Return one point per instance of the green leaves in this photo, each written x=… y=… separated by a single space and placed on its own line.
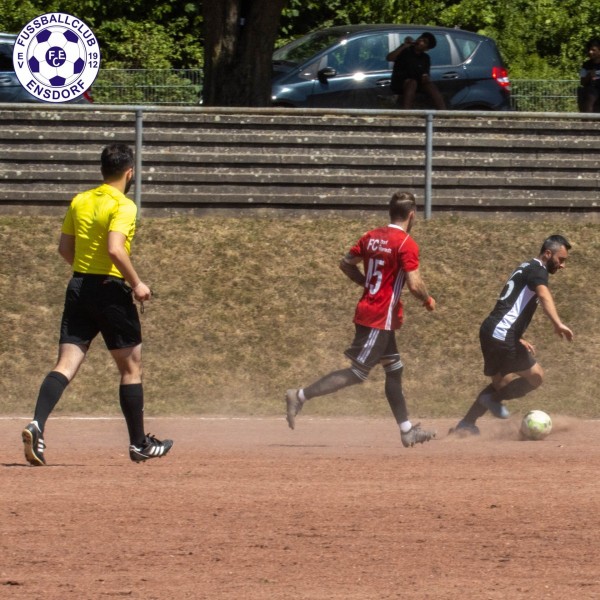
x=139 y=34
x=538 y=38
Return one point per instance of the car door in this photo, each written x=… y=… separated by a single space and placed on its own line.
x=353 y=73
x=446 y=71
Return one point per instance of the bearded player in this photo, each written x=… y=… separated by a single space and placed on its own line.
x=508 y=358
x=390 y=259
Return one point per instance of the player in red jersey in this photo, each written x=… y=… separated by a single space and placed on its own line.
x=390 y=259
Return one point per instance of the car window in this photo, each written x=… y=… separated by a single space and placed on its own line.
x=306 y=47
x=6 y=54
x=365 y=54
x=466 y=46
x=441 y=54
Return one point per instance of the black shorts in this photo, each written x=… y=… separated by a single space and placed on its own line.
x=100 y=304
x=370 y=346
x=591 y=90
x=503 y=357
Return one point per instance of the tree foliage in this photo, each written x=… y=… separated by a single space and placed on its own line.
x=300 y=17
x=539 y=39
x=138 y=34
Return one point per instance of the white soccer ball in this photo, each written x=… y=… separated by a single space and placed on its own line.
x=536 y=425
x=56 y=56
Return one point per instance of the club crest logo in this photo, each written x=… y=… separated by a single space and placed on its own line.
x=56 y=57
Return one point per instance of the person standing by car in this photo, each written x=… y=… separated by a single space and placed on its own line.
x=411 y=71
x=590 y=78
x=509 y=360
x=390 y=258
x=96 y=239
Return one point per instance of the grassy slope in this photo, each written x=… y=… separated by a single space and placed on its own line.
x=246 y=307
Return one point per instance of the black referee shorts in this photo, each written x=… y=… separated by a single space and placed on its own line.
x=100 y=304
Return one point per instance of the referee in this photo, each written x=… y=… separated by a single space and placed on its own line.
x=96 y=240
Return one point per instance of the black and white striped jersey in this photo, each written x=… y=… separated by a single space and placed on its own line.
x=517 y=302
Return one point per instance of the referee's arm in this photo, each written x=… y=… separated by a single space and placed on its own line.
x=120 y=257
x=66 y=247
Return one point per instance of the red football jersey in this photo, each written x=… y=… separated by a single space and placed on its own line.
x=388 y=253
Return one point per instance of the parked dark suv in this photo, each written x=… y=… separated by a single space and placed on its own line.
x=346 y=67
x=11 y=89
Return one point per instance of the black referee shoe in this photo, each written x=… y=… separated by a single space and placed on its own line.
x=151 y=448
x=33 y=445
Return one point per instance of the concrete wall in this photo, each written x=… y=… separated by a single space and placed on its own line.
x=218 y=158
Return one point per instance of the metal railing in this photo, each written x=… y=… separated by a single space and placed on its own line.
x=461 y=186
x=182 y=87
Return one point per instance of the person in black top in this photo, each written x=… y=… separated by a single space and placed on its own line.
x=411 y=71
x=589 y=93
x=508 y=358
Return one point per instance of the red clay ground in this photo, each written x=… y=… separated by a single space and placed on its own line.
x=337 y=509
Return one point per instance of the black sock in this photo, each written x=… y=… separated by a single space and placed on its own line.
x=131 y=397
x=332 y=382
x=517 y=388
x=395 y=395
x=477 y=410
x=51 y=390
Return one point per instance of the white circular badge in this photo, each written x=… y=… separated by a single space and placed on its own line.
x=56 y=57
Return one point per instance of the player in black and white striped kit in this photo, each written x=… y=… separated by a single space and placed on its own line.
x=508 y=358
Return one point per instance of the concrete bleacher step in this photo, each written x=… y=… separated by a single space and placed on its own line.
x=214 y=158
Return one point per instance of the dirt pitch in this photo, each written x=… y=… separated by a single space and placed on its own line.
x=337 y=509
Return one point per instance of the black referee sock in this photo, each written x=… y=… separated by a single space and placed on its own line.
x=131 y=397
x=51 y=390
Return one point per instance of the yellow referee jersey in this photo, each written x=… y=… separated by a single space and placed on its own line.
x=90 y=217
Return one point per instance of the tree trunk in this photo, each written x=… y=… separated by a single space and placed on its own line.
x=239 y=40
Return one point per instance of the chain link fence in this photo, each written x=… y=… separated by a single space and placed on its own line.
x=175 y=87
x=538 y=95
x=182 y=87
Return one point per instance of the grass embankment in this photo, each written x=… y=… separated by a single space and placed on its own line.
x=246 y=307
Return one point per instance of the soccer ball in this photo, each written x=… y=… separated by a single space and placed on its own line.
x=56 y=56
x=536 y=425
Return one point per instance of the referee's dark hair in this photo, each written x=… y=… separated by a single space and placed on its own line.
x=554 y=242
x=115 y=160
x=401 y=205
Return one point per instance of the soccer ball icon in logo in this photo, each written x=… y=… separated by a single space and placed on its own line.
x=56 y=56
